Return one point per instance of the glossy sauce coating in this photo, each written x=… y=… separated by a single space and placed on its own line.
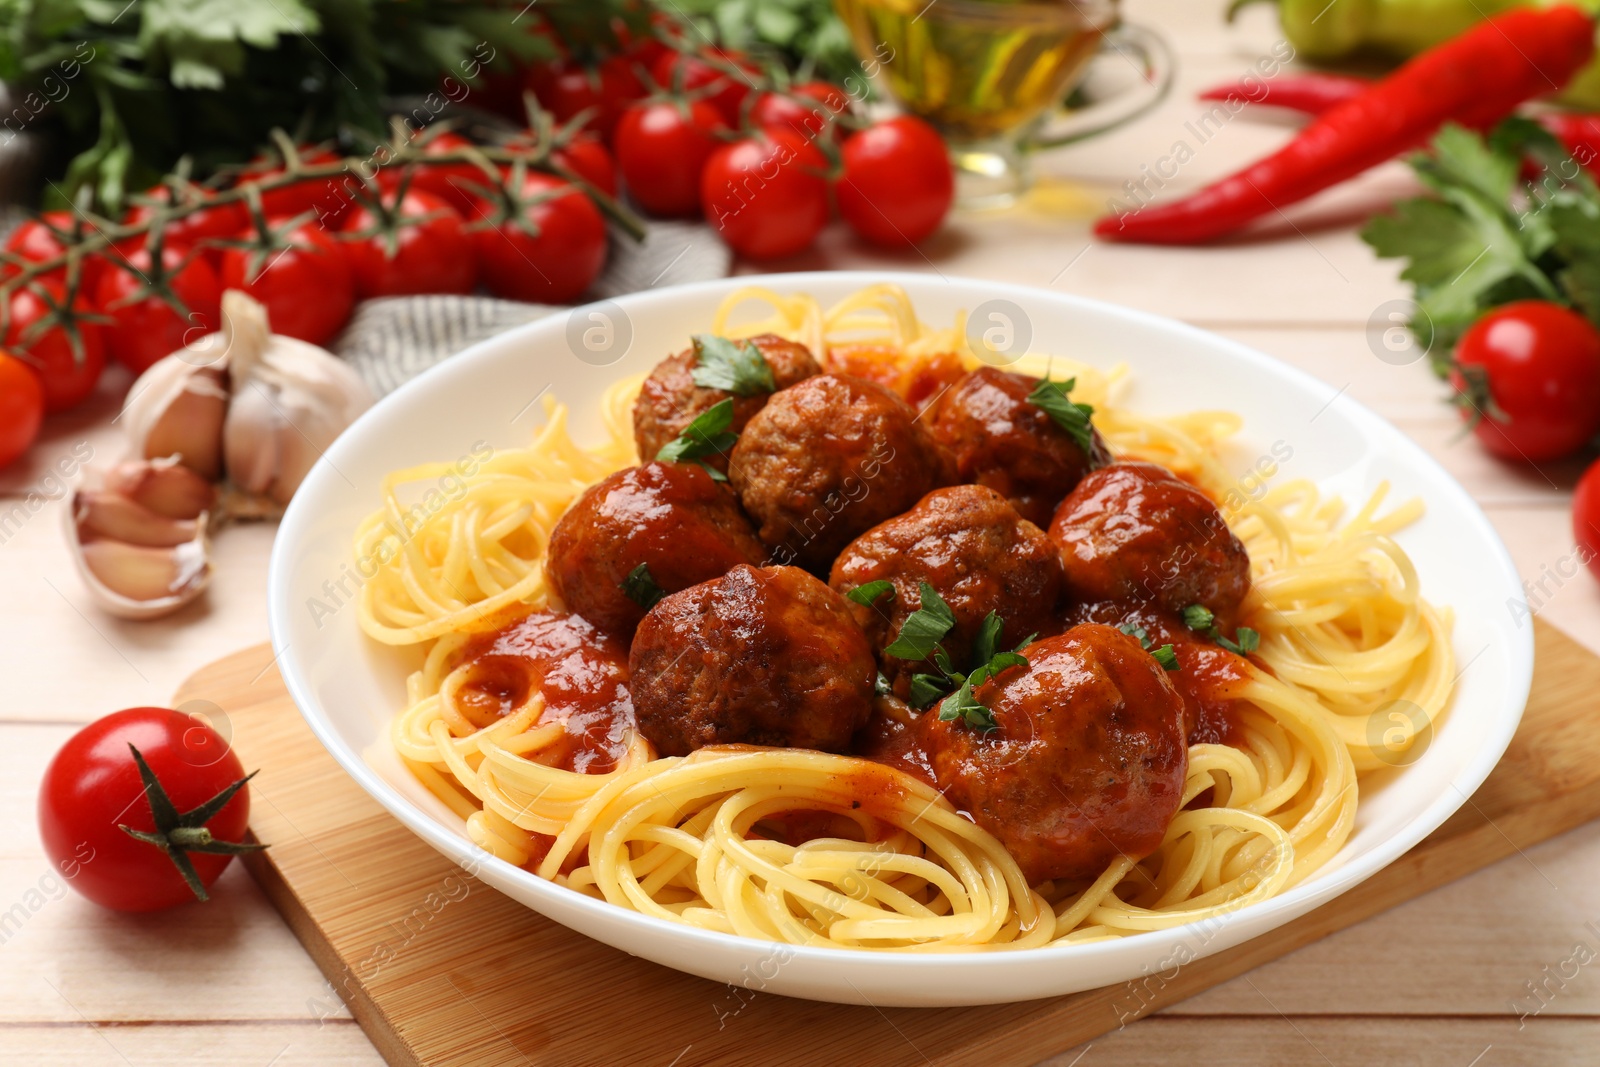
x=581 y=673
x=669 y=400
x=998 y=439
x=828 y=459
x=1089 y=760
x=917 y=381
x=1135 y=531
x=766 y=656
x=1209 y=678
x=976 y=552
x=671 y=517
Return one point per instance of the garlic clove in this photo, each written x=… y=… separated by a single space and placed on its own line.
x=177 y=408
x=112 y=516
x=140 y=582
x=164 y=486
x=291 y=400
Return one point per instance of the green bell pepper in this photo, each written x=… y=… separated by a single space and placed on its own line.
x=1323 y=31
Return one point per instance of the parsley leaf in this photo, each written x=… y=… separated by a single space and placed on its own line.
x=868 y=594
x=1051 y=397
x=964 y=707
x=641 y=588
x=1245 y=641
x=995 y=665
x=926 y=688
x=988 y=637
x=707 y=435
x=1137 y=632
x=1167 y=656
x=737 y=367
x=1198 y=617
x=925 y=627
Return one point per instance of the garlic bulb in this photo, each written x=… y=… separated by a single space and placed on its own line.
x=138 y=537
x=290 y=400
x=177 y=407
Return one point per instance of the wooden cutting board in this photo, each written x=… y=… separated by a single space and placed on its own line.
x=440 y=969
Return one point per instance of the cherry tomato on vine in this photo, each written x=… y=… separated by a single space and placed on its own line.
x=328 y=197
x=452 y=181
x=205 y=224
x=565 y=88
x=725 y=91
x=1528 y=378
x=68 y=372
x=306 y=287
x=428 y=251
x=775 y=111
x=662 y=149
x=93 y=787
x=586 y=156
x=897 y=184
x=766 y=195
x=35 y=240
x=145 y=327
x=21 y=408
x=1586 y=517
x=559 y=259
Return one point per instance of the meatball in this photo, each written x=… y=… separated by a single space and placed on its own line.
x=1136 y=531
x=828 y=459
x=973 y=548
x=1088 y=762
x=669 y=400
x=997 y=438
x=671 y=517
x=761 y=656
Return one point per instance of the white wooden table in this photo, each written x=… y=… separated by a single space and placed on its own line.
x=1442 y=980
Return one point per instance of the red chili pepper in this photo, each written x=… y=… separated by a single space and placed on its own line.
x=1479 y=77
x=1309 y=93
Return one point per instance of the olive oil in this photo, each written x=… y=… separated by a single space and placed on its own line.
x=976 y=70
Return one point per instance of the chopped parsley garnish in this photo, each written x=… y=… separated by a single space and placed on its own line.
x=919 y=639
x=707 y=435
x=736 y=367
x=1051 y=397
x=868 y=594
x=1199 y=618
x=641 y=588
x=925 y=627
x=1166 y=655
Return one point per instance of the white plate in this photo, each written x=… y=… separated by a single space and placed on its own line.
x=348 y=687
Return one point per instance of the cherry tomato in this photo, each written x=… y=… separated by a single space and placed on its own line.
x=224 y=220
x=452 y=181
x=147 y=328
x=68 y=373
x=587 y=157
x=434 y=255
x=1586 y=517
x=306 y=288
x=662 y=149
x=725 y=92
x=557 y=262
x=34 y=240
x=328 y=197
x=21 y=408
x=565 y=88
x=775 y=111
x=93 y=784
x=1529 y=373
x=766 y=195
x=897 y=184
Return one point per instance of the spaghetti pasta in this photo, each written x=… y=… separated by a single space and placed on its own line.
x=1346 y=639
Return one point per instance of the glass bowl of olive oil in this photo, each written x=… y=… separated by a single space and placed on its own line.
x=992 y=75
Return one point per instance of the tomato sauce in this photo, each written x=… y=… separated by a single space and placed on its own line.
x=581 y=673
x=919 y=381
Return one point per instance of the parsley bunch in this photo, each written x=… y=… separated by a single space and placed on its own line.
x=1486 y=237
x=806 y=33
x=919 y=638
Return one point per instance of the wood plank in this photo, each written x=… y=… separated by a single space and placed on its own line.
x=347 y=879
x=302 y=1043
